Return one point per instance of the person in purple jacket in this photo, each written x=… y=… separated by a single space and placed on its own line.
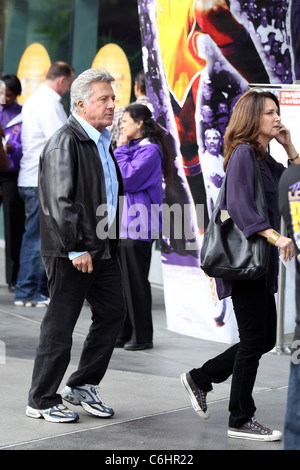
x=144 y=161
x=13 y=206
x=254 y=123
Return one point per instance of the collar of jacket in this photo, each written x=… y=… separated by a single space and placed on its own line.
x=75 y=127
x=78 y=130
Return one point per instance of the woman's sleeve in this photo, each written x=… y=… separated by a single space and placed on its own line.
x=16 y=151
x=140 y=169
x=240 y=197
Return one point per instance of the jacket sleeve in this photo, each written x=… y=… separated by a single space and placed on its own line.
x=240 y=197
x=140 y=168
x=56 y=185
x=16 y=148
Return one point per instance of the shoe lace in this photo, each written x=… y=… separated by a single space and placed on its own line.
x=62 y=408
x=256 y=426
x=201 y=398
x=96 y=392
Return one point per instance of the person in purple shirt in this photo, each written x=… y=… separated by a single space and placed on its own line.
x=254 y=123
x=13 y=206
x=143 y=161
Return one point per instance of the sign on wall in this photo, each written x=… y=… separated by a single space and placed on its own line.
x=32 y=70
x=112 y=58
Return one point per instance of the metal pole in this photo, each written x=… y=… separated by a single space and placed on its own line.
x=280 y=300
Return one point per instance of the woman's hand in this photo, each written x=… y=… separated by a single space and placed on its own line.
x=123 y=140
x=4 y=161
x=287 y=246
x=284 y=136
x=284 y=243
x=8 y=148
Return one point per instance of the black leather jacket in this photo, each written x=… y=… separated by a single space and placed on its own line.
x=71 y=188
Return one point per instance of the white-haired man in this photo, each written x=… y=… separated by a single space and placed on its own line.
x=78 y=177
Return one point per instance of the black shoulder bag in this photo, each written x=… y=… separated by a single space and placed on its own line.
x=226 y=253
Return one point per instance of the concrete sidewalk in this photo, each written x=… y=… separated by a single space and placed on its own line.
x=152 y=410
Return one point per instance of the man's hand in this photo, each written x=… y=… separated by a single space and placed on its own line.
x=83 y=263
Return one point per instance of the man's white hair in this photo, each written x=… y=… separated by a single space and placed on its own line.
x=81 y=87
x=212 y=130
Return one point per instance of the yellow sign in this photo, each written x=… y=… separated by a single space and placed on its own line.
x=112 y=58
x=33 y=67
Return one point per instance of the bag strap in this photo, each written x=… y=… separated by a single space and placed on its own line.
x=259 y=192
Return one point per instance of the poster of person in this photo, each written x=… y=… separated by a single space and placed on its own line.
x=199 y=56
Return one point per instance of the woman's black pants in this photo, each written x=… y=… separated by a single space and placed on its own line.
x=135 y=260
x=255 y=312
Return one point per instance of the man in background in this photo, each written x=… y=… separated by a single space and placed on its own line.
x=42 y=114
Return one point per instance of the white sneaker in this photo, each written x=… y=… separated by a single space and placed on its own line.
x=40 y=301
x=23 y=303
x=88 y=396
x=57 y=414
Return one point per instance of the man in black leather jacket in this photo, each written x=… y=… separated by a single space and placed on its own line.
x=79 y=189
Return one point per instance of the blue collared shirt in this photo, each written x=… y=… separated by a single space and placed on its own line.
x=102 y=140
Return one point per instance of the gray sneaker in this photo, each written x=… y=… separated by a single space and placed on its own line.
x=88 y=396
x=57 y=414
x=254 y=431
x=197 y=396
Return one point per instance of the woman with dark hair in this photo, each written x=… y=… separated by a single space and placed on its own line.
x=13 y=206
x=255 y=121
x=144 y=162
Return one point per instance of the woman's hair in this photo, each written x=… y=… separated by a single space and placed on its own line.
x=244 y=124
x=13 y=83
x=81 y=87
x=156 y=135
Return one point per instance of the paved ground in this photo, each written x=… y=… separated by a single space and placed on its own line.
x=152 y=410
